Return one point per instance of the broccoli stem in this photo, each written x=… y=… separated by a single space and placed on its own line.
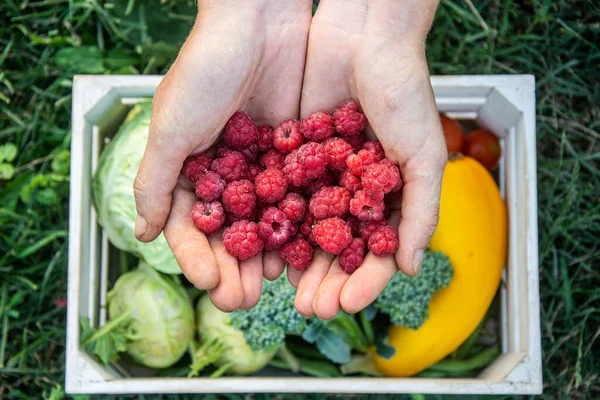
x=463 y=366
x=345 y=326
x=108 y=327
x=367 y=326
x=320 y=369
x=360 y=364
x=292 y=361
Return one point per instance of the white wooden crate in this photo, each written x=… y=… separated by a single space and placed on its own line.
x=504 y=104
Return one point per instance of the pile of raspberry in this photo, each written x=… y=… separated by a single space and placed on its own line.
x=314 y=182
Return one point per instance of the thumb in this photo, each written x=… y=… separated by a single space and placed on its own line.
x=157 y=174
x=420 y=204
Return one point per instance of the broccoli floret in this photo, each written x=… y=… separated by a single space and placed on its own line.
x=406 y=299
x=266 y=324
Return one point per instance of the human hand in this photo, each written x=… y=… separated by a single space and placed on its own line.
x=239 y=56
x=374 y=53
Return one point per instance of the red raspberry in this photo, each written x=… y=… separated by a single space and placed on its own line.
x=317 y=127
x=253 y=171
x=347 y=119
x=232 y=166
x=274 y=228
x=208 y=216
x=379 y=179
x=366 y=228
x=350 y=181
x=265 y=138
x=384 y=241
x=294 y=172
x=338 y=151
x=241 y=240
x=327 y=179
x=330 y=201
x=250 y=152
x=210 y=186
x=294 y=207
x=271 y=185
x=357 y=163
x=291 y=157
x=353 y=223
x=240 y=130
x=273 y=159
x=352 y=256
x=195 y=166
x=395 y=172
x=375 y=148
x=297 y=253
x=332 y=234
x=365 y=207
x=307 y=228
x=355 y=141
x=287 y=136
x=239 y=198
x=294 y=229
x=313 y=157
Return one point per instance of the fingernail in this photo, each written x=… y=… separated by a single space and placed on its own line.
x=141 y=227
x=417 y=261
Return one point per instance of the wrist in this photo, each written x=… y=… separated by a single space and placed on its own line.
x=257 y=11
x=405 y=20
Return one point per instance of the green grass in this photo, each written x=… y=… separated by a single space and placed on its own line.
x=43 y=43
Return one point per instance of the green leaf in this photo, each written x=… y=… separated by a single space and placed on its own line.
x=120 y=58
x=86 y=330
x=7 y=171
x=104 y=349
x=383 y=348
x=61 y=163
x=83 y=60
x=46 y=196
x=8 y=152
x=162 y=53
x=328 y=343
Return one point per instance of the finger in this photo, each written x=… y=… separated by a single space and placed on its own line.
x=228 y=295
x=272 y=265
x=294 y=276
x=412 y=135
x=327 y=301
x=251 y=274
x=420 y=204
x=153 y=186
x=369 y=280
x=310 y=281
x=190 y=246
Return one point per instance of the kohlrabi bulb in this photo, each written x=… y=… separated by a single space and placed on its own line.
x=212 y=323
x=162 y=316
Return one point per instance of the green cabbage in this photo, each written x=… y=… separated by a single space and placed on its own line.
x=112 y=187
x=161 y=317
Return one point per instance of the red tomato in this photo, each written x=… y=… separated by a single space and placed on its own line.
x=453 y=133
x=483 y=146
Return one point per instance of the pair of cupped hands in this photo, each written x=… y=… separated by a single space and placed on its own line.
x=274 y=60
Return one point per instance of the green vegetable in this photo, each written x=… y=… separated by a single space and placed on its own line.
x=266 y=325
x=237 y=356
x=406 y=299
x=161 y=318
x=112 y=187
